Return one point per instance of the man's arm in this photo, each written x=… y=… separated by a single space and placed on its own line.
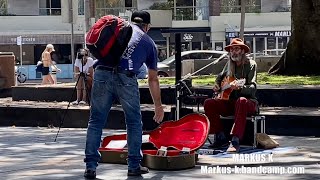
x=220 y=78
x=251 y=85
x=156 y=94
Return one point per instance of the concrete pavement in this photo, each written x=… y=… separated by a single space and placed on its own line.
x=30 y=153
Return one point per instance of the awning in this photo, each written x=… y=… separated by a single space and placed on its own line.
x=260 y=28
x=42 y=39
x=185 y=30
x=156 y=35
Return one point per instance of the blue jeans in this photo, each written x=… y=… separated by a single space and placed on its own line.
x=106 y=87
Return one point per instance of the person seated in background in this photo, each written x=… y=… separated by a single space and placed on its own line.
x=241 y=102
x=83 y=67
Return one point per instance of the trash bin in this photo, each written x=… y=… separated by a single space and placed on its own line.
x=7 y=72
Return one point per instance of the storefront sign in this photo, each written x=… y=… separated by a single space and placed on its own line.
x=260 y=34
x=41 y=39
x=282 y=33
x=231 y=34
x=23 y=40
x=187 y=37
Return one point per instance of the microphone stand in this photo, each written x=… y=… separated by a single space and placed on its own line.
x=181 y=84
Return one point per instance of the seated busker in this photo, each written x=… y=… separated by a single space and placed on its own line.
x=235 y=89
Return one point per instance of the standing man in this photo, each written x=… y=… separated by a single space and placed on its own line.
x=121 y=83
x=242 y=101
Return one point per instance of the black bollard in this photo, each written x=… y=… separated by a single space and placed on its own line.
x=178 y=56
x=178 y=72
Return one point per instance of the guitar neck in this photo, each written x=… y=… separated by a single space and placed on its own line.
x=227 y=86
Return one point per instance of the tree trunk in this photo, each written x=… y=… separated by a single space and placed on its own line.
x=243 y=15
x=302 y=56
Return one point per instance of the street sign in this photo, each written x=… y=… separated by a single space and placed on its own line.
x=19 y=40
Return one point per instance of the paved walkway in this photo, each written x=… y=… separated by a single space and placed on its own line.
x=30 y=153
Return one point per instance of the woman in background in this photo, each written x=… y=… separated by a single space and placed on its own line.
x=47 y=62
x=83 y=65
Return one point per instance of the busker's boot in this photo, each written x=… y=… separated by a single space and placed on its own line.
x=138 y=172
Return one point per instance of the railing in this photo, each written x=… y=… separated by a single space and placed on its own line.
x=3 y=11
x=50 y=11
x=191 y=13
x=255 y=9
x=120 y=11
x=286 y=8
x=237 y=9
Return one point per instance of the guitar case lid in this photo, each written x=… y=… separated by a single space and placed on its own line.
x=191 y=131
x=181 y=138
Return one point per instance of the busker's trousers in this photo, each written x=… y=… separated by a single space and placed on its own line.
x=240 y=109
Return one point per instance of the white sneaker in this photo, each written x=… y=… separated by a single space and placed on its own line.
x=75 y=102
x=82 y=103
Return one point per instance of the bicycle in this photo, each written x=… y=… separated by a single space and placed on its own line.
x=21 y=74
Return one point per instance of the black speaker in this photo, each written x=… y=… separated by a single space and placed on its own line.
x=248 y=137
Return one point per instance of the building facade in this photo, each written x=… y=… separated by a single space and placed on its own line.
x=39 y=22
x=267 y=24
x=211 y=24
x=203 y=24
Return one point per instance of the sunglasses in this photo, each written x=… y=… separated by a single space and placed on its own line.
x=235 y=48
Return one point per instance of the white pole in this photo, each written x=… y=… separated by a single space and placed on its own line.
x=175 y=9
x=84 y=23
x=254 y=48
x=72 y=35
x=21 y=52
x=168 y=46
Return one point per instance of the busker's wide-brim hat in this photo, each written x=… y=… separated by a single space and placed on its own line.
x=237 y=42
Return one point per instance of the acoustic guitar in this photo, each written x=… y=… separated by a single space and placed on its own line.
x=225 y=89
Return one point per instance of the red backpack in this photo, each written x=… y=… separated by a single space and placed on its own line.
x=108 y=38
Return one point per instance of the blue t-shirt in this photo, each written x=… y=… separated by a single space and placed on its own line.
x=141 y=49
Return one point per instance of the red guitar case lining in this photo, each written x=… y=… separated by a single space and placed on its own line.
x=191 y=132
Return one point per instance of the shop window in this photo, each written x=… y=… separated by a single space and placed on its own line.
x=184 y=3
x=3 y=7
x=122 y=8
x=80 y=7
x=192 y=10
x=260 y=46
x=282 y=42
x=218 y=46
x=271 y=43
x=196 y=45
x=50 y=7
x=234 y=6
x=128 y=3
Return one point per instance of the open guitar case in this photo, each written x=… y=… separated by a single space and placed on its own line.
x=171 y=146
